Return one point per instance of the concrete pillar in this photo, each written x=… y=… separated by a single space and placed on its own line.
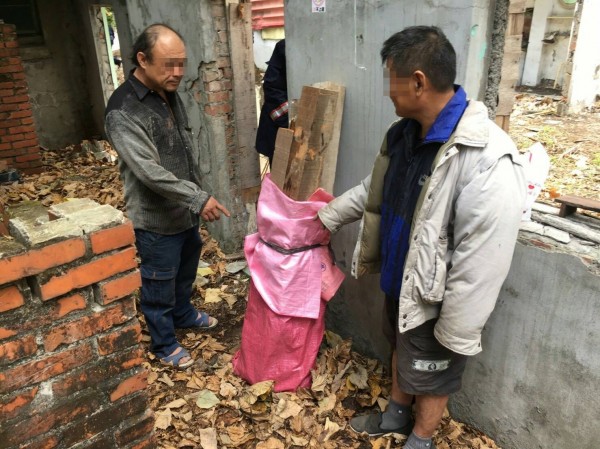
x=531 y=70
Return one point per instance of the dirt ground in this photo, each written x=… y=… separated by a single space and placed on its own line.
x=207 y=406
x=571 y=141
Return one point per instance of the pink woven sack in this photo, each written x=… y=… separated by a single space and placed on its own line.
x=293 y=275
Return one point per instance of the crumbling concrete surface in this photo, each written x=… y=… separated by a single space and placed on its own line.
x=534 y=385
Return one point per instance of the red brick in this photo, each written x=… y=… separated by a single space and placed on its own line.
x=11 y=44
x=89 y=325
x=217 y=109
x=6 y=92
x=6 y=333
x=69 y=304
x=143 y=427
x=48 y=314
x=28 y=157
x=107 y=418
x=112 y=238
x=10 y=124
x=216 y=97
x=15 y=98
x=18 y=349
x=97 y=374
x=9 y=107
x=129 y=386
x=48 y=419
x=11 y=407
x=120 y=339
x=12 y=68
x=20 y=114
x=37 y=261
x=112 y=290
x=12 y=138
x=27 y=120
x=5 y=147
x=18 y=76
x=22 y=129
x=10 y=298
x=37 y=371
x=25 y=144
x=90 y=273
x=214 y=86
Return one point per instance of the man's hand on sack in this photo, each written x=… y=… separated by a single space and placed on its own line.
x=212 y=210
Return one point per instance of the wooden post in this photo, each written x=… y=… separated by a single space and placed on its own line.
x=244 y=101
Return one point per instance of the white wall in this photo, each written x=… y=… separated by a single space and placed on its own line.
x=585 y=81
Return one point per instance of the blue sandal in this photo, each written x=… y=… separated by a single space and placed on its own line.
x=203 y=321
x=174 y=360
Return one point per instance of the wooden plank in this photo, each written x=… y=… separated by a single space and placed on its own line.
x=244 y=100
x=516 y=6
x=327 y=177
x=503 y=121
x=515 y=25
x=312 y=134
x=281 y=156
x=570 y=203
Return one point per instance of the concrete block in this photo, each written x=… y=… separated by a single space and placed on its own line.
x=32 y=234
x=72 y=206
x=94 y=219
x=557 y=234
x=10 y=248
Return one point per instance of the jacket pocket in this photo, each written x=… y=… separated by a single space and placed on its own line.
x=430 y=272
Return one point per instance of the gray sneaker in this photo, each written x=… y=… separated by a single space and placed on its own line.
x=371 y=425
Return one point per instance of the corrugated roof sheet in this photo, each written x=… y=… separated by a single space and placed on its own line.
x=267 y=14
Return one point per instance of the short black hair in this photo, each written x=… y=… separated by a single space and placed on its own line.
x=145 y=41
x=424 y=48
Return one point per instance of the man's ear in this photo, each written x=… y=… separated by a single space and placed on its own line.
x=419 y=80
x=141 y=59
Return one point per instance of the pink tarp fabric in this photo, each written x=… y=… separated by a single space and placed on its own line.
x=284 y=321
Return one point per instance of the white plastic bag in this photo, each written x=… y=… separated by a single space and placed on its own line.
x=537 y=166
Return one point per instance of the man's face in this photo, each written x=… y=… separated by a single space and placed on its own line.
x=398 y=89
x=166 y=69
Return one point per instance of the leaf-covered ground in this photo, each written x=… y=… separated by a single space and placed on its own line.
x=207 y=406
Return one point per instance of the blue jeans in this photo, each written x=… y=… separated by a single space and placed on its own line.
x=168 y=267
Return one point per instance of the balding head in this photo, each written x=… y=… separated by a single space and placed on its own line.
x=160 y=58
x=147 y=39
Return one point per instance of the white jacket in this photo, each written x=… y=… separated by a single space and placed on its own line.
x=463 y=232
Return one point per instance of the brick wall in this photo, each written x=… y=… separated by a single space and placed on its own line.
x=19 y=147
x=70 y=358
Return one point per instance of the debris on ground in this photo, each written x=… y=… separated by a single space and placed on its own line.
x=570 y=141
x=207 y=406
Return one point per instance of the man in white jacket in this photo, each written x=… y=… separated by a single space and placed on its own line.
x=440 y=215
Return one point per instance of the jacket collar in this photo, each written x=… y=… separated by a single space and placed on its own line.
x=139 y=88
x=473 y=128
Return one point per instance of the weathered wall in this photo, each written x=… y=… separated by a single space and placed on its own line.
x=585 y=79
x=208 y=94
x=535 y=384
x=342 y=45
x=70 y=354
x=57 y=77
x=554 y=55
x=19 y=146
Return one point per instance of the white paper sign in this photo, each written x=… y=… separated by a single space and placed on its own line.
x=319 y=5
